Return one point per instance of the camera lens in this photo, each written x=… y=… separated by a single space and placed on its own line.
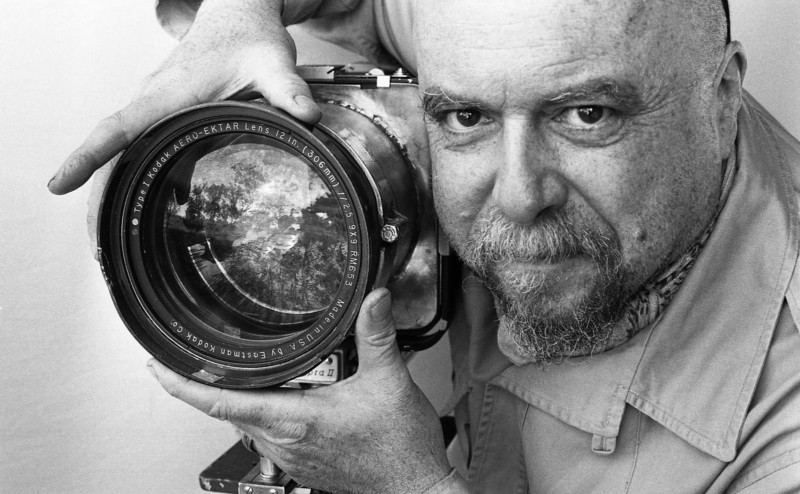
x=236 y=245
x=252 y=228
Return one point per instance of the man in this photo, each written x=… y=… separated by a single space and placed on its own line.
x=633 y=214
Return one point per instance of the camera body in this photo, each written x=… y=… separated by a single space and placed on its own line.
x=238 y=243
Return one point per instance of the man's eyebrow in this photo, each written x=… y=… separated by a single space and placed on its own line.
x=623 y=94
x=434 y=98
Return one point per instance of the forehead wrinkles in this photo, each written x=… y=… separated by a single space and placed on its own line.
x=544 y=32
x=531 y=19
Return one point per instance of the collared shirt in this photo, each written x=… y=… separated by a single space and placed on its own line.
x=706 y=399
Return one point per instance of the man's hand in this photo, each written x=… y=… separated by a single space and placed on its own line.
x=233 y=47
x=374 y=432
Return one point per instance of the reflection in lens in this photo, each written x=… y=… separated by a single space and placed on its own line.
x=264 y=233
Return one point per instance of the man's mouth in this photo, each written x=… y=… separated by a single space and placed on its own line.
x=545 y=265
x=565 y=276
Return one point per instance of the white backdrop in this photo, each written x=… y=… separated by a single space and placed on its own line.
x=78 y=411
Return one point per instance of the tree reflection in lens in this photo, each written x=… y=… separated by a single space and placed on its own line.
x=264 y=231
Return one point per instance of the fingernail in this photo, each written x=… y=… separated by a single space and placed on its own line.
x=380 y=307
x=303 y=100
x=152 y=371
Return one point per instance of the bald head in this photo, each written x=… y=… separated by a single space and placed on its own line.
x=694 y=31
x=699 y=26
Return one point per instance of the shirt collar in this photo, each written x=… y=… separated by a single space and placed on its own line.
x=718 y=326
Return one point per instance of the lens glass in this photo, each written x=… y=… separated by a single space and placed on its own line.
x=254 y=233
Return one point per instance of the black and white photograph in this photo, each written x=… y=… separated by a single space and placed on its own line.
x=400 y=246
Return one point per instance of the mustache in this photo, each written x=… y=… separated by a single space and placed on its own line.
x=561 y=235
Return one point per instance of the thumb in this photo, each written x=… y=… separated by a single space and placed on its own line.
x=280 y=84
x=375 y=333
x=291 y=94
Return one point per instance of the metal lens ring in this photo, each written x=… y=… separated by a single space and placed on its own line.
x=236 y=246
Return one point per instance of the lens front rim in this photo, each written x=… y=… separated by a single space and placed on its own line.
x=183 y=343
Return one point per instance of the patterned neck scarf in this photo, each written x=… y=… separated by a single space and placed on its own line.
x=644 y=307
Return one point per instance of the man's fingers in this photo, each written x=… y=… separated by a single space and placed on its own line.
x=272 y=72
x=240 y=407
x=105 y=141
x=209 y=400
x=289 y=92
x=115 y=133
x=376 y=334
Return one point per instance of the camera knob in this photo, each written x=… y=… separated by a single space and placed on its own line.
x=390 y=233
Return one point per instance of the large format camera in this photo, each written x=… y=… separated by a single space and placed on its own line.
x=239 y=243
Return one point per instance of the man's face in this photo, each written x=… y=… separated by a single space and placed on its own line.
x=575 y=154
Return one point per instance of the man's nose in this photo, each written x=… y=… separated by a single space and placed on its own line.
x=528 y=182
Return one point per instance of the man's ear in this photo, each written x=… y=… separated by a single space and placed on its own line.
x=728 y=82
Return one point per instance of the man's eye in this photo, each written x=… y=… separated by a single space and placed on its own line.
x=586 y=117
x=464 y=118
x=591 y=114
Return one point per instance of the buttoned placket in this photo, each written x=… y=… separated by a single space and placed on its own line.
x=497 y=439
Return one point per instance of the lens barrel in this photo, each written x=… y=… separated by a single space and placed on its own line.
x=237 y=245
